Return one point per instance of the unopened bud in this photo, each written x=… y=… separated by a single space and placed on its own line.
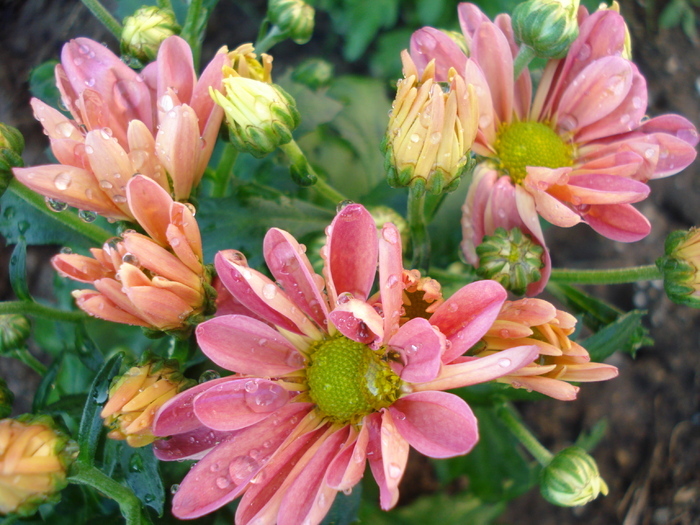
x=294 y=18
x=14 y=331
x=431 y=130
x=246 y=64
x=6 y=399
x=34 y=458
x=511 y=258
x=11 y=147
x=136 y=396
x=680 y=267
x=384 y=214
x=314 y=73
x=571 y=479
x=260 y=116
x=145 y=30
x=547 y=26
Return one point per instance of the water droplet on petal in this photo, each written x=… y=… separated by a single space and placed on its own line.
x=209 y=375
x=251 y=386
x=241 y=468
x=222 y=482
x=174 y=488
x=62 y=181
x=394 y=470
x=504 y=362
x=269 y=291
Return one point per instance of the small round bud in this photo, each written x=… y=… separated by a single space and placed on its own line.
x=314 y=73
x=431 y=129
x=294 y=18
x=260 y=116
x=511 y=258
x=547 y=26
x=14 y=330
x=6 y=399
x=384 y=214
x=680 y=267
x=34 y=458
x=145 y=30
x=571 y=479
x=136 y=396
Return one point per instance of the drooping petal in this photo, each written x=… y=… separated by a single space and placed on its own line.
x=390 y=277
x=247 y=346
x=177 y=148
x=239 y=404
x=436 y=424
x=150 y=206
x=193 y=444
x=466 y=316
x=79 y=268
x=358 y=321
x=619 y=222
x=347 y=468
x=420 y=347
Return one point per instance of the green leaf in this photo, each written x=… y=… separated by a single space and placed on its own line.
x=496 y=469
x=315 y=107
x=240 y=222
x=46 y=386
x=42 y=84
x=596 y=312
x=385 y=62
x=18 y=270
x=91 y=422
x=140 y=468
x=429 y=11
x=626 y=334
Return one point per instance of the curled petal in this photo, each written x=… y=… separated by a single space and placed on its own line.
x=358 y=321
x=619 y=222
x=429 y=43
x=420 y=347
x=194 y=444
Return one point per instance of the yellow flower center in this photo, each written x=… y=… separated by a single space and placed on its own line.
x=348 y=380
x=522 y=144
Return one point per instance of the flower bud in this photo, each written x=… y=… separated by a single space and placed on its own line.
x=314 y=73
x=384 y=214
x=245 y=63
x=145 y=30
x=6 y=399
x=14 y=330
x=136 y=396
x=571 y=479
x=511 y=258
x=431 y=130
x=294 y=18
x=11 y=147
x=34 y=458
x=260 y=116
x=680 y=267
x=548 y=27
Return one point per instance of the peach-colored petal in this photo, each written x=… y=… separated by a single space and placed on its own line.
x=150 y=206
x=101 y=306
x=178 y=147
x=161 y=308
x=142 y=153
x=79 y=268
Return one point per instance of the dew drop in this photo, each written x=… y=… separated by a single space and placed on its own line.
x=241 y=468
x=504 y=362
x=105 y=184
x=208 y=375
x=347 y=491
x=174 y=488
x=87 y=216
x=394 y=470
x=66 y=250
x=436 y=137
x=390 y=235
x=166 y=103
x=251 y=386
x=269 y=291
x=222 y=482
x=65 y=128
x=584 y=53
x=119 y=199
x=62 y=181
x=130 y=258
x=415 y=138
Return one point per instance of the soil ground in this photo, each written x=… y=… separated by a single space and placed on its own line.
x=650 y=456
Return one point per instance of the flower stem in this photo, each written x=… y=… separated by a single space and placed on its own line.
x=68 y=218
x=511 y=419
x=525 y=56
x=104 y=16
x=614 y=276
x=273 y=36
x=224 y=170
x=420 y=239
x=39 y=310
x=304 y=174
x=129 y=504
x=23 y=355
x=165 y=4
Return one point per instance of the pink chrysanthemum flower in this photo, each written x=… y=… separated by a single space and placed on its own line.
x=161 y=123
x=158 y=280
x=325 y=382
x=580 y=151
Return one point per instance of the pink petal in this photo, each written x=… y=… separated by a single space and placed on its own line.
x=606 y=189
x=176 y=416
x=675 y=125
x=394 y=458
x=619 y=222
x=390 y=278
x=79 y=268
x=308 y=498
x=436 y=424
x=421 y=348
x=202 y=103
x=491 y=51
x=388 y=493
x=194 y=444
x=226 y=471
x=474 y=75
x=142 y=153
x=553 y=210
x=675 y=154
x=432 y=44
x=358 y=321
x=347 y=468
x=466 y=316
x=104 y=307
x=247 y=346
x=150 y=205
x=470 y=18
x=177 y=147
x=261 y=295
x=239 y=404
x=176 y=68
x=291 y=268
x=351 y=253
x=597 y=91
x=481 y=369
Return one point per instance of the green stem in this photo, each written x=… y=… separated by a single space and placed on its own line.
x=420 y=239
x=192 y=28
x=305 y=172
x=224 y=170
x=511 y=419
x=129 y=504
x=68 y=217
x=525 y=56
x=23 y=355
x=104 y=16
x=39 y=310
x=615 y=276
x=165 y=4
x=273 y=36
